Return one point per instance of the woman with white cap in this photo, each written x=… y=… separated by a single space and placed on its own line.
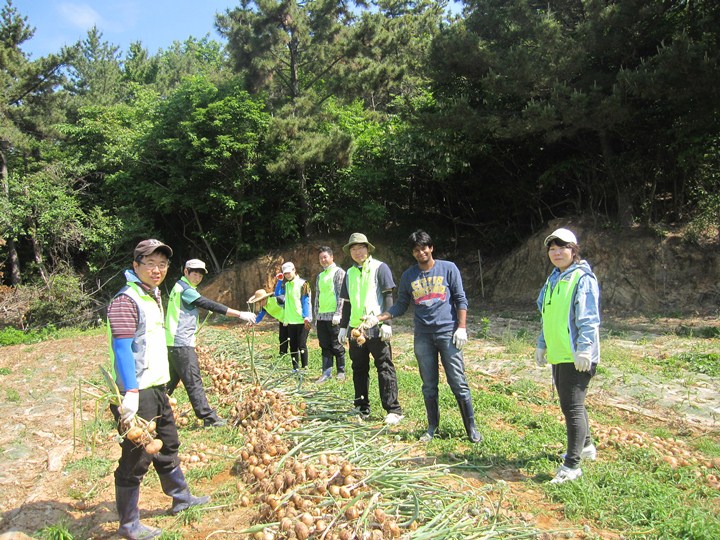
x=569 y=303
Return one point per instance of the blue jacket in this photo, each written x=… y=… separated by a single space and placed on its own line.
x=584 y=319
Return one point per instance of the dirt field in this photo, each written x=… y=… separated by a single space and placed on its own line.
x=39 y=408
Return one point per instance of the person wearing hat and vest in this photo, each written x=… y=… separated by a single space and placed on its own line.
x=569 y=341
x=296 y=314
x=279 y=294
x=327 y=312
x=435 y=288
x=181 y=326
x=367 y=290
x=140 y=364
x=267 y=304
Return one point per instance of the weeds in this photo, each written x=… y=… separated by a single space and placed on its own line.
x=55 y=532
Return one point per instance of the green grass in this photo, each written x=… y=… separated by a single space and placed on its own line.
x=633 y=495
x=87 y=474
x=55 y=532
x=13 y=336
x=697 y=362
x=626 y=491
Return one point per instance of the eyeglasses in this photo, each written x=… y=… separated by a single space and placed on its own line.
x=151 y=265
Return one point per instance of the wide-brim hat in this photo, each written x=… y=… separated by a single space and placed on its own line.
x=358 y=238
x=565 y=235
x=259 y=295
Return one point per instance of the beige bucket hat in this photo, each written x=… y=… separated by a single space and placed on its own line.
x=259 y=295
x=358 y=238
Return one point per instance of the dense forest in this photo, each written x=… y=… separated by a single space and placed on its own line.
x=322 y=117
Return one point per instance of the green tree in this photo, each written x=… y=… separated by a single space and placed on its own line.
x=138 y=66
x=186 y=59
x=577 y=106
x=95 y=73
x=303 y=54
x=29 y=107
x=199 y=166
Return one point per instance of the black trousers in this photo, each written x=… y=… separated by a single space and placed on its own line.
x=283 y=339
x=184 y=367
x=572 y=388
x=327 y=334
x=297 y=335
x=135 y=461
x=387 y=378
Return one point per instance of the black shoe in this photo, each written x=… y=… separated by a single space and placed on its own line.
x=214 y=422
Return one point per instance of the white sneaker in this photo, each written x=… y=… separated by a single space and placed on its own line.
x=392 y=418
x=566 y=474
x=425 y=438
x=589 y=453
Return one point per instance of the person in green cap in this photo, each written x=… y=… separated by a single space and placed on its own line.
x=367 y=290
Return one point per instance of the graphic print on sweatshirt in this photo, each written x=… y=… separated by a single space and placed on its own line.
x=428 y=290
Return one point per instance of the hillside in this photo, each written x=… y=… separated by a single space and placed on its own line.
x=639 y=270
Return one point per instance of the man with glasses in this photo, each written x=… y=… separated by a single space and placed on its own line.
x=140 y=364
x=367 y=291
x=181 y=326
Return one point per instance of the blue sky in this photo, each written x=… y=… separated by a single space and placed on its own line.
x=156 y=23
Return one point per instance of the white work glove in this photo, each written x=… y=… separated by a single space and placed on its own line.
x=386 y=332
x=247 y=317
x=129 y=406
x=342 y=336
x=336 y=319
x=582 y=360
x=541 y=357
x=460 y=338
x=370 y=321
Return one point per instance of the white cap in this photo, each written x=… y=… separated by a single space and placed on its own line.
x=196 y=264
x=563 y=235
x=288 y=267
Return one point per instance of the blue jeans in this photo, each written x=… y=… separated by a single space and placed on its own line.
x=427 y=349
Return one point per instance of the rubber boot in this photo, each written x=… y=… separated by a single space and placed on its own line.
x=126 y=499
x=174 y=485
x=432 y=410
x=468 y=416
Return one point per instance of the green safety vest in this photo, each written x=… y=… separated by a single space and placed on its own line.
x=149 y=349
x=181 y=320
x=327 y=302
x=556 y=307
x=362 y=291
x=274 y=309
x=293 y=302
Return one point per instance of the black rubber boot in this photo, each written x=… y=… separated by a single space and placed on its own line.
x=126 y=499
x=432 y=410
x=174 y=485
x=468 y=416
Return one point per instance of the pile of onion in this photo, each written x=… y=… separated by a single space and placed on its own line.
x=294 y=491
x=674 y=452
